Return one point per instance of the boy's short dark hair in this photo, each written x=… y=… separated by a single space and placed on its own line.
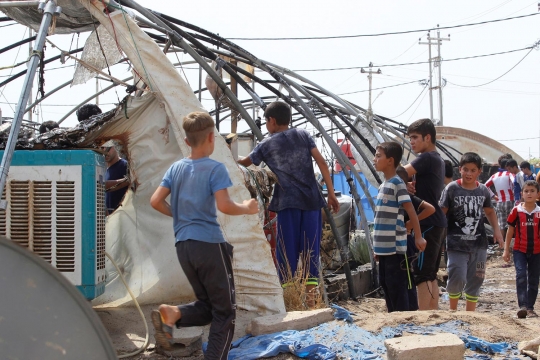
x=503 y=157
x=86 y=111
x=197 y=126
x=48 y=126
x=525 y=165
x=392 y=150
x=448 y=169
x=423 y=127
x=531 y=183
x=511 y=163
x=503 y=162
x=402 y=173
x=471 y=158
x=279 y=111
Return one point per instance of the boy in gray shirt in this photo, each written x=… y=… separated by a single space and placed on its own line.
x=465 y=203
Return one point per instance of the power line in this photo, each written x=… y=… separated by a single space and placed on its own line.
x=384 y=34
x=410 y=106
x=489 y=82
x=379 y=88
x=423 y=62
x=531 y=138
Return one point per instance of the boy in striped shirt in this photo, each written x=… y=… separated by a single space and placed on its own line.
x=390 y=234
x=503 y=182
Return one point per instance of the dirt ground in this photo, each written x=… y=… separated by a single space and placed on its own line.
x=495 y=319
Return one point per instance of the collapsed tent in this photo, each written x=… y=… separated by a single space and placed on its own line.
x=148 y=124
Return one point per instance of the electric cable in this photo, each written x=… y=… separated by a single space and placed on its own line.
x=531 y=138
x=425 y=87
x=379 y=88
x=386 y=33
x=489 y=82
x=420 y=62
x=419 y=103
x=147 y=338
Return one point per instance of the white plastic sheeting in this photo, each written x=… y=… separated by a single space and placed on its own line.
x=100 y=51
x=140 y=238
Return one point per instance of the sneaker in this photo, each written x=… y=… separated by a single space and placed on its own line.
x=522 y=313
x=531 y=314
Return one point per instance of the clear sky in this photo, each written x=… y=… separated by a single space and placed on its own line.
x=506 y=109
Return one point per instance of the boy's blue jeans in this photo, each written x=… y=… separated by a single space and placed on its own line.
x=527 y=278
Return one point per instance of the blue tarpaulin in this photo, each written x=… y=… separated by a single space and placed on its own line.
x=341 y=339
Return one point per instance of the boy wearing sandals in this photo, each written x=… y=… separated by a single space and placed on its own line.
x=524 y=223
x=196 y=185
x=465 y=203
x=390 y=233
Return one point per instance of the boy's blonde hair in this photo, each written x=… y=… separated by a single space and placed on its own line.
x=197 y=126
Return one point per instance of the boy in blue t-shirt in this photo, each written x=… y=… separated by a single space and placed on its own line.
x=288 y=152
x=390 y=233
x=196 y=185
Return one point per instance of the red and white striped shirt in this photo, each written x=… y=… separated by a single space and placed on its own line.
x=504 y=185
x=527 y=226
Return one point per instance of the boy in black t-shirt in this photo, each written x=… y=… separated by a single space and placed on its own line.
x=427 y=172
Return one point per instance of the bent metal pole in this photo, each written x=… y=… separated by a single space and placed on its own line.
x=49 y=10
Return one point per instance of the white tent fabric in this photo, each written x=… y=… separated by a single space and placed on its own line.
x=139 y=237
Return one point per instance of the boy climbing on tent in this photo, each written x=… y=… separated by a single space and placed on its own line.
x=196 y=185
x=465 y=203
x=288 y=152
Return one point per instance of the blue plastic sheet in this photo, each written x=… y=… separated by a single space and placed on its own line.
x=342 y=314
x=320 y=342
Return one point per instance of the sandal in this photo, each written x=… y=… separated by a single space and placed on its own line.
x=531 y=314
x=163 y=332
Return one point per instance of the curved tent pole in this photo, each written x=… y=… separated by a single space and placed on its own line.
x=90 y=98
x=69 y=82
x=10 y=79
x=251 y=58
x=60 y=87
x=184 y=45
x=14 y=45
x=225 y=65
x=346 y=133
x=367 y=161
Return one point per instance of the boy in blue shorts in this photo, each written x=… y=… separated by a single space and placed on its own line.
x=390 y=233
x=288 y=152
x=196 y=185
x=465 y=201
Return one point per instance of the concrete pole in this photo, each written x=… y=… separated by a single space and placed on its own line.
x=370 y=73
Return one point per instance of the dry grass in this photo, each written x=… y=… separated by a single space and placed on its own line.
x=298 y=296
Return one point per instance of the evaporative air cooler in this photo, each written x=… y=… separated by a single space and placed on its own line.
x=56 y=208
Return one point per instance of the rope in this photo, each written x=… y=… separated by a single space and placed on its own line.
x=134 y=44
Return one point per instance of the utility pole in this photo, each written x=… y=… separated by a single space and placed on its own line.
x=435 y=62
x=370 y=72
